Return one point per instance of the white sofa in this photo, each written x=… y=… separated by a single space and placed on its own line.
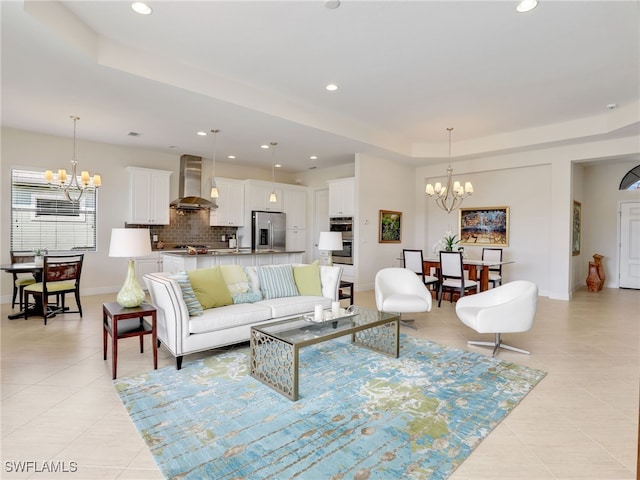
x=226 y=325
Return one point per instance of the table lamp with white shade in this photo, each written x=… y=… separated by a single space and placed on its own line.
x=330 y=241
x=131 y=243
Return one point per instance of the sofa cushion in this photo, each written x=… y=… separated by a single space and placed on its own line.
x=209 y=287
x=188 y=295
x=307 y=278
x=235 y=278
x=289 y=306
x=277 y=281
x=229 y=316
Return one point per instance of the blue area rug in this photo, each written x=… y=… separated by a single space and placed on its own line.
x=361 y=415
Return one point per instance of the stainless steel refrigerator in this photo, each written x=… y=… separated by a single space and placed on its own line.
x=268 y=230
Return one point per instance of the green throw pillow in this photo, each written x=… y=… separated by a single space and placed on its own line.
x=209 y=287
x=188 y=295
x=307 y=279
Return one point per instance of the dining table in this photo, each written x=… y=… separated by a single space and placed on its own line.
x=36 y=270
x=472 y=266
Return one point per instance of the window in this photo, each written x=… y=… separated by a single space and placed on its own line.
x=631 y=180
x=42 y=217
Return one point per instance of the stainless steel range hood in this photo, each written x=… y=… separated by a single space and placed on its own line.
x=189 y=189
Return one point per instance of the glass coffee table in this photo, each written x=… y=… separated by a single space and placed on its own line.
x=275 y=346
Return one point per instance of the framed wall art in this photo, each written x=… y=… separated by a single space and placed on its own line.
x=575 y=233
x=390 y=229
x=484 y=226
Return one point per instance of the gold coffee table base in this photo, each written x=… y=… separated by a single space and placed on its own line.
x=275 y=347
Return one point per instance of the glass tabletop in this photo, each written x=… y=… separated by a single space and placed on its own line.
x=300 y=330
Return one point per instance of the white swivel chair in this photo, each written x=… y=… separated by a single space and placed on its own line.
x=509 y=308
x=399 y=290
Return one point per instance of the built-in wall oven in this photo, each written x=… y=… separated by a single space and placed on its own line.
x=343 y=225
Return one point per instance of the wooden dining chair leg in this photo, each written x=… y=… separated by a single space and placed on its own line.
x=15 y=292
x=26 y=303
x=78 y=302
x=45 y=307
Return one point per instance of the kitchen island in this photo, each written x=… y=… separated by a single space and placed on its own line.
x=176 y=261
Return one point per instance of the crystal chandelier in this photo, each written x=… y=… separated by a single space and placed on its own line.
x=74 y=189
x=273 y=198
x=450 y=196
x=214 y=188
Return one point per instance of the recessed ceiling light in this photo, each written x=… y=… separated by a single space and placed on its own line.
x=526 y=6
x=202 y=134
x=313 y=157
x=332 y=87
x=277 y=165
x=141 y=8
x=264 y=146
x=173 y=147
x=232 y=157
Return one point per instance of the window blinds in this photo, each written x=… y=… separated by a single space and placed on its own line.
x=43 y=218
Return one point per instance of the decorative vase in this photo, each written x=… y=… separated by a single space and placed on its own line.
x=597 y=259
x=593 y=279
x=39 y=260
x=131 y=295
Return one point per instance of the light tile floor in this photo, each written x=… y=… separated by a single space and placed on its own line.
x=580 y=422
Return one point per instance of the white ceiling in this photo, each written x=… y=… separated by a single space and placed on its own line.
x=407 y=70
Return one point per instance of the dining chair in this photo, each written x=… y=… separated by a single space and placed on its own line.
x=495 y=273
x=21 y=280
x=60 y=275
x=452 y=276
x=414 y=261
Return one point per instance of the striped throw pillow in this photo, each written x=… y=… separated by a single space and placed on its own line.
x=276 y=281
x=188 y=295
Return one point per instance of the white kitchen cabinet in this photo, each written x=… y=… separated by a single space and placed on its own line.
x=342 y=197
x=149 y=264
x=230 y=211
x=149 y=192
x=257 y=194
x=296 y=239
x=294 y=204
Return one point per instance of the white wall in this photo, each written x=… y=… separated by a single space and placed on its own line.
x=600 y=215
x=381 y=185
x=578 y=195
x=526 y=192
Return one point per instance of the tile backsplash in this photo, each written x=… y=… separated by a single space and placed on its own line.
x=190 y=228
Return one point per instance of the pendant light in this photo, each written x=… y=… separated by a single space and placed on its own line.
x=451 y=196
x=74 y=190
x=273 y=198
x=214 y=188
